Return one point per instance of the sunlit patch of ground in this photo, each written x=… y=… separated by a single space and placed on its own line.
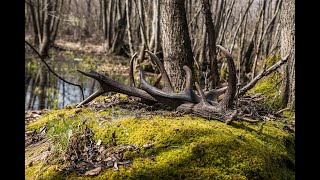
x=170 y=145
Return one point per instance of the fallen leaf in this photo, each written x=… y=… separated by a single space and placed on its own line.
x=115 y=166
x=147 y=146
x=99 y=142
x=69 y=133
x=93 y=172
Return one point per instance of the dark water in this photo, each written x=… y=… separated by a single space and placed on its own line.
x=44 y=90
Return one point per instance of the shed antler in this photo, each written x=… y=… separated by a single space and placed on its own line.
x=204 y=104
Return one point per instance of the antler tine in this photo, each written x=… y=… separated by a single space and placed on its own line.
x=131 y=82
x=202 y=96
x=174 y=99
x=167 y=83
x=227 y=101
x=189 y=81
x=213 y=95
x=149 y=88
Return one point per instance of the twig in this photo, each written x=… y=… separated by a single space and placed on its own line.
x=285 y=109
x=263 y=73
x=246 y=119
x=53 y=71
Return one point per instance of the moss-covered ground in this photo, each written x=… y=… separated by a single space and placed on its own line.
x=185 y=147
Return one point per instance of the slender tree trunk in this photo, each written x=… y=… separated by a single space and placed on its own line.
x=259 y=41
x=203 y=63
x=44 y=46
x=212 y=54
x=110 y=25
x=128 y=14
x=34 y=23
x=175 y=40
x=143 y=47
x=121 y=26
x=55 y=28
x=247 y=60
x=105 y=22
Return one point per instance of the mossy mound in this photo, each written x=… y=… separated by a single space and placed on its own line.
x=184 y=147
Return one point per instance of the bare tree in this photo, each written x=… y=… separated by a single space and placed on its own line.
x=176 y=43
x=45 y=18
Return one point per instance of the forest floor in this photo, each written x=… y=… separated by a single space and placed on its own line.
x=116 y=137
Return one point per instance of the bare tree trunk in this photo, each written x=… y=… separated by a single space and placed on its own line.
x=175 y=41
x=218 y=16
x=128 y=14
x=222 y=32
x=120 y=30
x=110 y=25
x=34 y=23
x=157 y=26
x=44 y=46
x=55 y=28
x=288 y=47
x=259 y=41
x=105 y=22
x=152 y=39
x=272 y=25
x=142 y=30
x=54 y=10
x=242 y=18
x=247 y=61
x=212 y=57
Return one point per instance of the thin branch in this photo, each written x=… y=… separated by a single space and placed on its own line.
x=53 y=71
x=262 y=74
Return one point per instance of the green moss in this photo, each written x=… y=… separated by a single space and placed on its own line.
x=271 y=60
x=42 y=172
x=185 y=147
x=269 y=86
x=289 y=114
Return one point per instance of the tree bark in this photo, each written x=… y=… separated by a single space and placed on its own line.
x=44 y=46
x=128 y=14
x=120 y=30
x=175 y=41
x=212 y=53
x=142 y=29
x=34 y=23
x=110 y=25
x=287 y=21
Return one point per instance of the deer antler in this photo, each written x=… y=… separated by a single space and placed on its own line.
x=203 y=104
